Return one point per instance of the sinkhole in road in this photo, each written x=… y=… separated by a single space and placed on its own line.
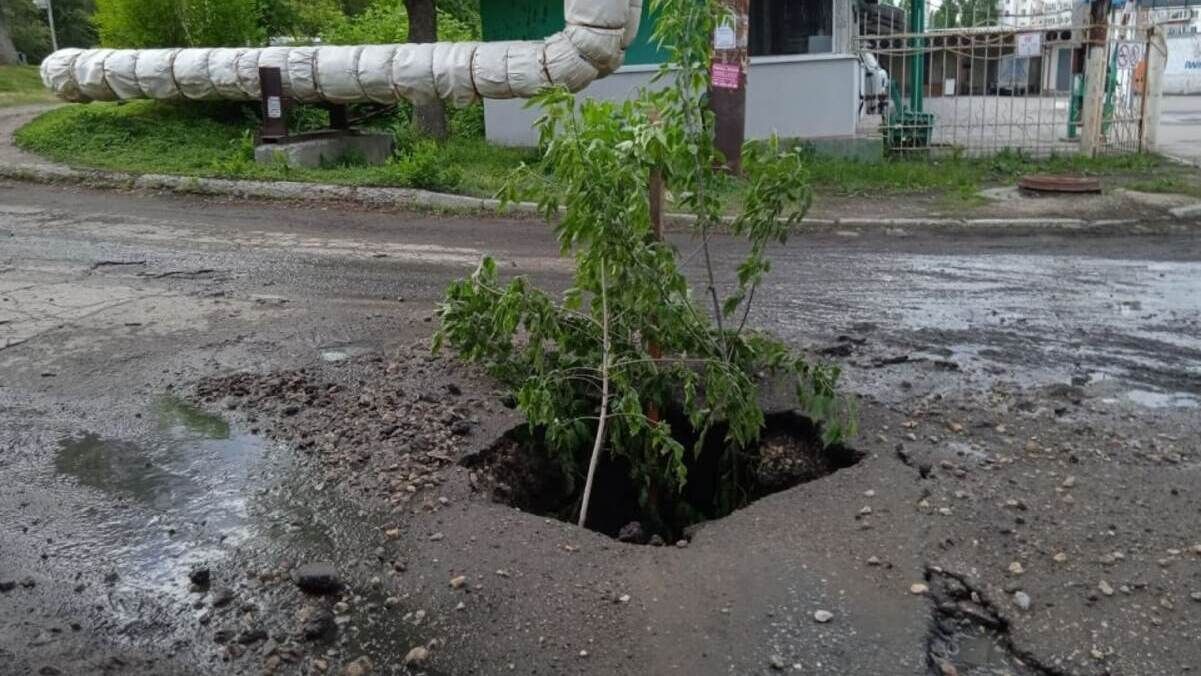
x=520 y=470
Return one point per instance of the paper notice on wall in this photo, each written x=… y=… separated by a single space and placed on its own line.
x=726 y=75
x=1029 y=44
x=275 y=109
x=723 y=37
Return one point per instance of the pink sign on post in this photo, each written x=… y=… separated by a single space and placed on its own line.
x=726 y=75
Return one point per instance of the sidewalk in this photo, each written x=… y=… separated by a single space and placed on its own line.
x=12 y=119
x=1000 y=208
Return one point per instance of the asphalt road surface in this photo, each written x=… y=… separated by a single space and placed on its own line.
x=1027 y=503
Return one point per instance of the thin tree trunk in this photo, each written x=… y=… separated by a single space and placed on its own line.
x=604 y=407
x=8 y=53
x=430 y=118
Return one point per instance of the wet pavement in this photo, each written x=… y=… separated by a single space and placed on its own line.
x=1125 y=327
x=1024 y=399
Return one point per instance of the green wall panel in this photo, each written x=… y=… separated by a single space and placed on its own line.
x=536 y=19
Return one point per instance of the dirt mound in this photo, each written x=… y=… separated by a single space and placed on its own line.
x=388 y=426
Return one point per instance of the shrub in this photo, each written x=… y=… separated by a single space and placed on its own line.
x=240 y=160
x=425 y=167
x=467 y=122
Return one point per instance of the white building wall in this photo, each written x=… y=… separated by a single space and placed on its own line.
x=811 y=96
x=1183 y=72
x=1182 y=24
x=1014 y=12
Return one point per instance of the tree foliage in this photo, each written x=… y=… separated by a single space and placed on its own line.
x=179 y=23
x=300 y=19
x=30 y=31
x=387 y=22
x=213 y=23
x=8 y=51
x=667 y=349
x=964 y=14
x=207 y=23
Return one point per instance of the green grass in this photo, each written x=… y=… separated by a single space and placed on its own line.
x=22 y=85
x=955 y=182
x=1181 y=184
x=963 y=177
x=214 y=140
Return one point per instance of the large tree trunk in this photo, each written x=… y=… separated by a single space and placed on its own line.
x=8 y=53
x=430 y=118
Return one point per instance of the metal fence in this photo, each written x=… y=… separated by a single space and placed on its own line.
x=1015 y=84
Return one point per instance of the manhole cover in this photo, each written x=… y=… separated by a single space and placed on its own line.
x=1073 y=184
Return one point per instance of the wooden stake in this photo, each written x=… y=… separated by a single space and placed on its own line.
x=599 y=444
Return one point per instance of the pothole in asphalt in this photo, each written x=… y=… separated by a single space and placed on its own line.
x=967 y=635
x=520 y=471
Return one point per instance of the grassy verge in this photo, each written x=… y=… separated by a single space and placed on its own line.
x=22 y=85
x=963 y=177
x=1182 y=183
x=215 y=140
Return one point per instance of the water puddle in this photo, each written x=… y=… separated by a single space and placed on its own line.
x=980 y=651
x=112 y=465
x=1030 y=319
x=340 y=353
x=191 y=490
x=1153 y=399
x=182 y=489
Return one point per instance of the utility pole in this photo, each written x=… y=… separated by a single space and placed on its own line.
x=728 y=73
x=1096 y=71
x=49 y=7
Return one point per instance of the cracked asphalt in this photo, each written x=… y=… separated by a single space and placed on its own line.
x=1029 y=412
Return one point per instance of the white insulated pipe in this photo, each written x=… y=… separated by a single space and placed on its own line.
x=591 y=46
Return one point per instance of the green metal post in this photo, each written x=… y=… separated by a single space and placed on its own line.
x=917 y=25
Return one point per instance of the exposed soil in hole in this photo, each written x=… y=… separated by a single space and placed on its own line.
x=520 y=471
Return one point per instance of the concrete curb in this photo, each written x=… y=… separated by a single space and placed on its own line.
x=1183 y=160
x=409 y=198
x=269 y=190
x=1187 y=211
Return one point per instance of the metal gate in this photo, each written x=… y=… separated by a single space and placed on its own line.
x=1015 y=83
